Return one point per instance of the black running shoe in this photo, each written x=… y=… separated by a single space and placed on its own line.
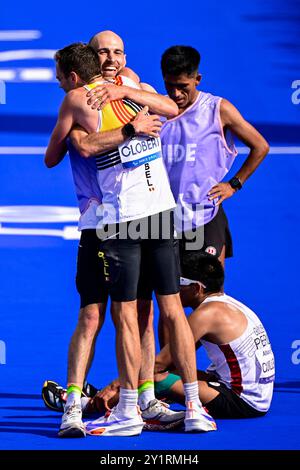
x=88 y=390
x=54 y=396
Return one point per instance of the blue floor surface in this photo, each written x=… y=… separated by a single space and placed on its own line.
x=39 y=303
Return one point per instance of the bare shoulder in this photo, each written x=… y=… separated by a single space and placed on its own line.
x=205 y=312
x=226 y=107
x=76 y=96
x=212 y=311
x=147 y=87
x=215 y=306
x=225 y=104
x=129 y=73
x=77 y=103
x=222 y=312
x=229 y=113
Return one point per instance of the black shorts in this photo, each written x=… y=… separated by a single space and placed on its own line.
x=216 y=235
x=229 y=405
x=90 y=282
x=144 y=263
x=91 y=276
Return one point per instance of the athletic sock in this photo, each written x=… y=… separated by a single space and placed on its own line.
x=84 y=401
x=128 y=401
x=73 y=395
x=146 y=393
x=191 y=392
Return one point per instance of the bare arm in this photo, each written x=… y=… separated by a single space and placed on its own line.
x=200 y=323
x=89 y=145
x=106 y=398
x=57 y=147
x=259 y=147
x=147 y=87
x=158 y=104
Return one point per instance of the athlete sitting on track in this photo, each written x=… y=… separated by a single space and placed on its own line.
x=239 y=382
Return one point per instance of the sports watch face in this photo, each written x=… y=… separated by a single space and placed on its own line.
x=235 y=183
x=129 y=130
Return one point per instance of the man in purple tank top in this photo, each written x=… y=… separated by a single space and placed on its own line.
x=198 y=151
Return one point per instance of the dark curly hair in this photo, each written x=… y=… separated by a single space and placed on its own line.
x=180 y=59
x=203 y=267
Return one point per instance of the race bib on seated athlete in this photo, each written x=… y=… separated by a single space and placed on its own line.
x=139 y=150
x=265 y=358
x=264 y=355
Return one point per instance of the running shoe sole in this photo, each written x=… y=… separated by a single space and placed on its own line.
x=152 y=425
x=197 y=425
x=74 y=431
x=110 y=431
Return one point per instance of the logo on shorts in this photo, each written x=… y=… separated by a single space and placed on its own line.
x=214 y=384
x=105 y=265
x=211 y=250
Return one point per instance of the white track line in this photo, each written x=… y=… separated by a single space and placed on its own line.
x=274 y=150
x=22 y=150
x=20 y=35
x=68 y=233
x=24 y=54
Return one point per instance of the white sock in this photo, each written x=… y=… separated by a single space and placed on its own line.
x=128 y=401
x=84 y=401
x=191 y=392
x=146 y=396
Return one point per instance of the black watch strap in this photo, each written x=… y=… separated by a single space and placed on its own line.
x=129 y=130
x=235 y=183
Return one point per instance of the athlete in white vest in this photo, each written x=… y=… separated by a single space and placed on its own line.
x=239 y=381
x=121 y=259
x=133 y=167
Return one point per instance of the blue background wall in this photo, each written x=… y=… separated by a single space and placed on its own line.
x=249 y=49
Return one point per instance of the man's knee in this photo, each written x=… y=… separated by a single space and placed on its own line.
x=124 y=313
x=170 y=308
x=90 y=317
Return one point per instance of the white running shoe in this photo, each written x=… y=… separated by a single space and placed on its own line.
x=197 y=419
x=113 y=424
x=72 y=425
x=159 y=417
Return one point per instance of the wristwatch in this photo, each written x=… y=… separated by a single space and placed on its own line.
x=129 y=130
x=235 y=183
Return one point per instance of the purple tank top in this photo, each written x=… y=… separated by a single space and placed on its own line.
x=197 y=156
